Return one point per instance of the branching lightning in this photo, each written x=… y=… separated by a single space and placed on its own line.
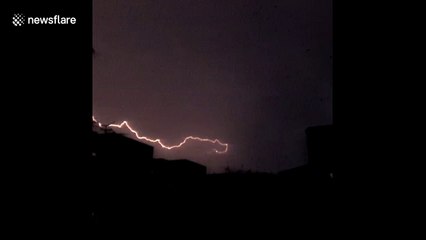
x=158 y=141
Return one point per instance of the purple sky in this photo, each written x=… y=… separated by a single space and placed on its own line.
x=253 y=73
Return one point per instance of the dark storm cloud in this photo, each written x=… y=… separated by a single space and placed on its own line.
x=253 y=73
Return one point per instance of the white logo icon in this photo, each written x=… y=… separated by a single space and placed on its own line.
x=18 y=19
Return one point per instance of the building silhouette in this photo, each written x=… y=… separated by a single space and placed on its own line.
x=117 y=154
x=321 y=151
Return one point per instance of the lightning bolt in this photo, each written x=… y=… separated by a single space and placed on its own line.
x=158 y=141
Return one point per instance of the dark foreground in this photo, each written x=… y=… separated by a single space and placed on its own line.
x=256 y=201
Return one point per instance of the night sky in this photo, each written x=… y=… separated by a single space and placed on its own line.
x=252 y=73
